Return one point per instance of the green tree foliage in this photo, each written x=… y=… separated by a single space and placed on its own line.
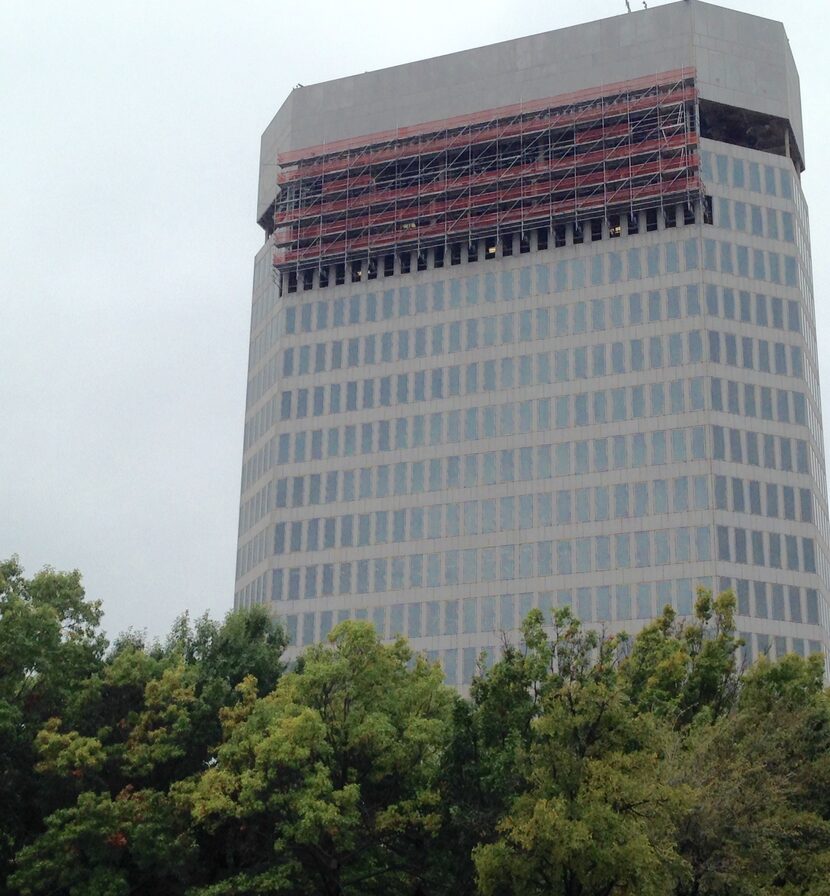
x=595 y=812
x=49 y=645
x=760 y=818
x=114 y=733
x=328 y=784
x=680 y=670
x=580 y=765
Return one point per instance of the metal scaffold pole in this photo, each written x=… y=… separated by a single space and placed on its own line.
x=592 y=154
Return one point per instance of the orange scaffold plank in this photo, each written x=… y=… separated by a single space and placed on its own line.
x=436 y=208
x=478 y=225
x=314 y=208
x=628 y=145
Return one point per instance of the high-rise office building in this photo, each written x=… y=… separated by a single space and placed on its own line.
x=533 y=326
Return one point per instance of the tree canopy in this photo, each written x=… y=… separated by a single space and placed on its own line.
x=580 y=764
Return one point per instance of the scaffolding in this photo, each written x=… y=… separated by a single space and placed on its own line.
x=597 y=153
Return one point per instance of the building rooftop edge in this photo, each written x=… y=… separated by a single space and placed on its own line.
x=742 y=60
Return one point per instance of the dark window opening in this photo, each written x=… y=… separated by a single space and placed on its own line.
x=388 y=265
x=406 y=262
x=490 y=246
x=633 y=223
x=688 y=213
x=578 y=235
x=372 y=269
x=560 y=236
x=651 y=220
x=670 y=216
x=542 y=238
x=524 y=244
x=292 y=281
x=507 y=246
x=439 y=256
x=614 y=226
x=455 y=253
x=357 y=272
x=268 y=222
x=422 y=260
x=754 y=130
x=472 y=251
x=339 y=274
x=308 y=279
x=708 y=216
x=596 y=229
x=324 y=278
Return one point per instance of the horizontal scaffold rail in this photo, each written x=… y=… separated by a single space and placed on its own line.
x=488 y=224
x=620 y=147
x=526 y=174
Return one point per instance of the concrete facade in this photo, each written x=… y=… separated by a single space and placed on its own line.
x=606 y=425
x=741 y=60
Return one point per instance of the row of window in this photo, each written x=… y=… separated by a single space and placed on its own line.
x=782 y=603
x=756 y=220
x=526 y=370
x=568 y=275
x=519 y=370
x=505 y=612
x=580 y=272
x=571 y=319
x=544 y=509
x=754 y=354
x=759 y=402
x=744 y=261
x=487 y=376
x=763 y=499
x=580 y=362
x=470 y=471
x=617 y=452
x=741 y=446
x=510 y=418
x=540 y=509
x=743 y=175
x=739 y=545
x=595 y=315
x=753 y=308
x=507 y=419
x=509 y=373
x=568 y=364
x=493 y=467
x=567 y=556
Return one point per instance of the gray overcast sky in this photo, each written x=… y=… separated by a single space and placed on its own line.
x=129 y=141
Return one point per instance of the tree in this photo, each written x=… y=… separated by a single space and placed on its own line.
x=596 y=813
x=145 y=721
x=327 y=785
x=485 y=764
x=582 y=765
x=49 y=643
x=679 y=670
x=760 y=818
